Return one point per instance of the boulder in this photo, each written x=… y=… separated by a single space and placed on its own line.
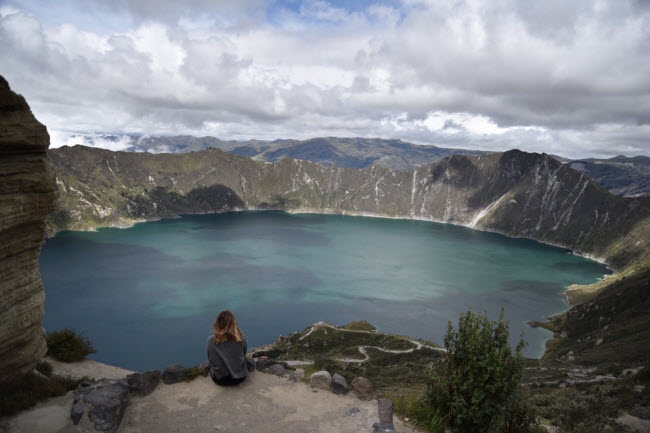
x=297 y=376
x=362 y=388
x=205 y=366
x=339 y=384
x=263 y=363
x=385 y=409
x=173 y=374
x=77 y=411
x=320 y=379
x=277 y=369
x=381 y=427
x=250 y=365
x=105 y=403
x=143 y=383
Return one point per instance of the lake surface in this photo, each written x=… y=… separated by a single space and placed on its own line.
x=147 y=296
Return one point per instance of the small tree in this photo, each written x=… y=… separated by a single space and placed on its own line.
x=480 y=376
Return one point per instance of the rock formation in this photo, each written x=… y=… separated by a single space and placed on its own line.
x=27 y=196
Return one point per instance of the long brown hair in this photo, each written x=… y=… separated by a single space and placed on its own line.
x=226 y=328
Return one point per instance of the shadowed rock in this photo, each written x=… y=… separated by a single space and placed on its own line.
x=173 y=374
x=27 y=196
x=143 y=383
x=339 y=384
x=277 y=369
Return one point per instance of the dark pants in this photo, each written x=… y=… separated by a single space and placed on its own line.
x=228 y=380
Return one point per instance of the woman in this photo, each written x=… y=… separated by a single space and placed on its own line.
x=227 y=351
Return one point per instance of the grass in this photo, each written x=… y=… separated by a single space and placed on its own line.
x=194 y=372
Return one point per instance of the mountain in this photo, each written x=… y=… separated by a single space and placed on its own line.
x=342 y=152
x=27 y=195
x=516 y=193
x=621 y=175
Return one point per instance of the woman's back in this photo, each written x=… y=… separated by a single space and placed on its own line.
x=227 y=358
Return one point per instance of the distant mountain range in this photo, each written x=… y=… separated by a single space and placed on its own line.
x=621 y=175
x=342 y=152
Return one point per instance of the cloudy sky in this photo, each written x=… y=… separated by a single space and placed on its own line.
x=564 y=77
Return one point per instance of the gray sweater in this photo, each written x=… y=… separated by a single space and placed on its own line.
x=227 y=358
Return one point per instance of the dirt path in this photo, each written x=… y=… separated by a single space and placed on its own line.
x=362 y=349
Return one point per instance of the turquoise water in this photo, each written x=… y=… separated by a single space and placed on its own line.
x=147 y=296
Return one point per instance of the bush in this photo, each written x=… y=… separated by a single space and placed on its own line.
x=25 y=390
x=420 y=412
x=519 y=416
x=68 y=346
x=44 y=367
x=579 y=412
x=480 y=377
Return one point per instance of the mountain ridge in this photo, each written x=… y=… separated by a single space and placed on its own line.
x=515 y=193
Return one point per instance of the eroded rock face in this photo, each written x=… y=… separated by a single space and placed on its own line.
x=27 y=196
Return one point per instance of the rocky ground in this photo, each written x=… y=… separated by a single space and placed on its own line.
x=264 y=402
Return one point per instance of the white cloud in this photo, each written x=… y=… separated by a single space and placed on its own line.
x=571 y=78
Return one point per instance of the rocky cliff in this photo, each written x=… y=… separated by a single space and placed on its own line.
x=27 y=196
x=516 y=193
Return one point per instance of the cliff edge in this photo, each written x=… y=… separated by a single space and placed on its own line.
x=27 y=195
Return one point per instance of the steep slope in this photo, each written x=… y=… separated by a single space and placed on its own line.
x=613 y=326
x=621 y=175
x=27 y=195
x=515 y=193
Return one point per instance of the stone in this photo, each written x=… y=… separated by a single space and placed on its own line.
x=173 y=374
x=263 y=363
x=77 y=411
x=205 y=366
x=27 y=195
x=362 y=388
x=339 y=384
x=143 y=383
x=298 y=375
x=321 y=380
x=105 y=403
x=250 y=365
x=277 y=369
x=381 y=427
x=353 y=412
x=385 y=409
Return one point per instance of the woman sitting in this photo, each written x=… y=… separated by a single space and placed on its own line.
x=227 y=351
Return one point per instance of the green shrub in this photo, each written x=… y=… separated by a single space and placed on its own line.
x=480 y=377
x=68 y=346
x=520 y=416
x=44 y=367
x=420 y=412
x=194 y=372
x=573 y=411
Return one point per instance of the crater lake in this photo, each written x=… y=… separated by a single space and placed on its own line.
x=147 y=296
